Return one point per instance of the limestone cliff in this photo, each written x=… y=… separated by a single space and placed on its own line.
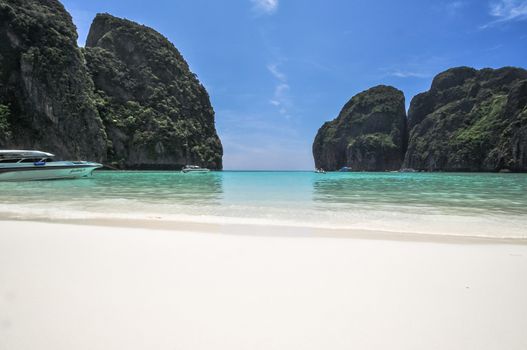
x=156 y=112
x=46 y=99
x=368 y=134
x=470 y=120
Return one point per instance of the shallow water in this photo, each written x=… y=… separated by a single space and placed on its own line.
x=440 y=203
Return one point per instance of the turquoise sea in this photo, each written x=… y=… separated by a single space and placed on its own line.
x=438 y=203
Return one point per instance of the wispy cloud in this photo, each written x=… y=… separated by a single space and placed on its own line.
x=273 y=68
x=408 y=74
x=416 y=67
x=281 y=98
x=265 y=6
x=505 y=11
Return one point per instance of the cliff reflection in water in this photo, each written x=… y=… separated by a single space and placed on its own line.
x=167 y=187
x=444 y=192
x=366 y=188
x=139 y=187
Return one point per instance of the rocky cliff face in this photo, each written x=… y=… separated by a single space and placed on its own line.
x=46 y=97
x=145 y=110
x=368 y=135
x=156 y=112
x=470 y=120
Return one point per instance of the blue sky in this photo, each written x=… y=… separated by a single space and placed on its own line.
x=277 y=69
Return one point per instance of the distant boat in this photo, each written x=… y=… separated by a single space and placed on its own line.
x=344 y=169
x=320 y=171
x=194 y=169
x=23 y=165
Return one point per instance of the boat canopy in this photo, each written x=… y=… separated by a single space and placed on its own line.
x=22 y=154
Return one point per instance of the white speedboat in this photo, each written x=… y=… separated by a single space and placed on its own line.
x=194 y=169
x=22 y=165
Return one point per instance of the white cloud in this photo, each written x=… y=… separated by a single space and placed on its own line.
x=408 y=74
x=506 y=10
x=265 y=6
x=416 y=67
x=273 y=68
x=509 y=9
x=281 y=98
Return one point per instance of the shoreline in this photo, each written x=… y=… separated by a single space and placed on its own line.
x=277 y=230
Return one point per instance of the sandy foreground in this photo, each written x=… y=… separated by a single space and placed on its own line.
x=66 y=286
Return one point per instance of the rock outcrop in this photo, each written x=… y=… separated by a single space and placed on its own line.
x=470 y=120
x=156 y=112
x=368 y=134
x=46 y=93
x=129 y=98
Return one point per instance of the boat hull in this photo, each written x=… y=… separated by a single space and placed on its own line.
x=196 y=171
x=48 y=172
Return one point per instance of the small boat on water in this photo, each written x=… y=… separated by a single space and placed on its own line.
x=194 y=169
x=345 y=169
x=320 y=171
x=24 y=165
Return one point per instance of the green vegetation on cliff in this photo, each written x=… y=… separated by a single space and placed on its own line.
x=128 y=98
x=156 y=112
x=470 y=120
x=5 y=129
x=44 y=82
x=369 y=133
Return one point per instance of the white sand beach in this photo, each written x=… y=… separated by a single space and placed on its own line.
x=66 y=286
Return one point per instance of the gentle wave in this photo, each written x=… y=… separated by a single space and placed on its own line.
x=387 y=221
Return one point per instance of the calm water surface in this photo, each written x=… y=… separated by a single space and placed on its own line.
x=480 y=204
